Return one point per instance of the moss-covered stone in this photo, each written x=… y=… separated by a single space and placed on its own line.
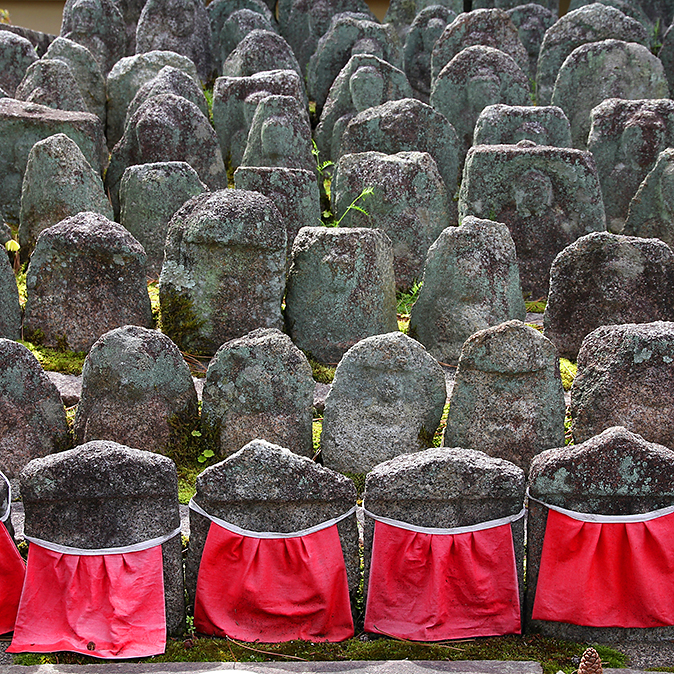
x=507 y=399
x=259 y=386
x=33 y=418
x=341 y=289
x=471 y=282
x=224 y=269
x=600 y=70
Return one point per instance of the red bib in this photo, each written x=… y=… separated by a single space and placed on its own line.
x=107 y=606
x=12 y=572
x=431 y=587
x=273 y=589
x=607 y=574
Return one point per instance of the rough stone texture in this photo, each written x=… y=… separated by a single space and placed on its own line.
x=86 y=276
x=625 y=139
x=167 y=128
x=651 y=211
x=149 y=195
x=304 y=22
x=58 y=183
x=130 y=10
x=386 y=399
x=625 y=374
x=600 y=70
x=10 y=316
x=591 y=23
x=446 y=488
x=280 y=135
x=224 y=269
x=69 y=387
x=24 y=124
x=181 y=26
x=33 y=418
x=615 y=473
x=487 y=27
x=666 y=55
x=407 y=125
x=128 y=76
x=364 y=82
x=409 y=203
x=293 y=191
x=16 y=54
x=471 y=282
x=50 y=82
x=547 y=196
x=260 y=51
x=169 y=80
x=508 y=124
x=402 y=13
x=38 y=39
x=237 y=25
x=508 y=399
x=235 y=100
x=341 y=289
x=532 y=21
x=422 y=35
x=219 y=13
x=349 y=34
x=259 y=386
x=85 y=70
x=103 y=494
x=475 y=78
x=630 y=8
x=264 y=487
x=607 y=279
x=97 y=25
x=136 y=389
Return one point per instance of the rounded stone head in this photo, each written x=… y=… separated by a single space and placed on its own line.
x=367 y=88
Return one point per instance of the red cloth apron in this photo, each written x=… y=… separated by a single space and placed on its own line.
x=431 y=587
x=107 y=606
x=273 y=589
x=12 y=572
x=607 y=574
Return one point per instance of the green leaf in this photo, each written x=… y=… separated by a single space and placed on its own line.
x=12 y=246
x=196 y=434
x=208 y=453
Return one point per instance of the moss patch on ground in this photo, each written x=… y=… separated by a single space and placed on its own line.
x=553 y=654
x=568 y=371
x=67 y=362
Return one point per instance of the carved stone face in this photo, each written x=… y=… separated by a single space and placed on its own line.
x=367 y=88
x=277 y=136
x=87 y=16
x=482 y=89
x=180 y=15
x=434 y=29
x=532 y=193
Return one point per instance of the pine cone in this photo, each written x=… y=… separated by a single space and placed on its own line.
x=590 y=663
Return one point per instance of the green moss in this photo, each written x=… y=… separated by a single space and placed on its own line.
x=358 y=480
x=178 y=319
x=316 y=430
x=553 y=654
x=187 y=479
x=568 y=371
x=536 y=306
x=21 y=284
x=54 y=360
x=322 y=373
x=437 y=438
x=208 y=95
